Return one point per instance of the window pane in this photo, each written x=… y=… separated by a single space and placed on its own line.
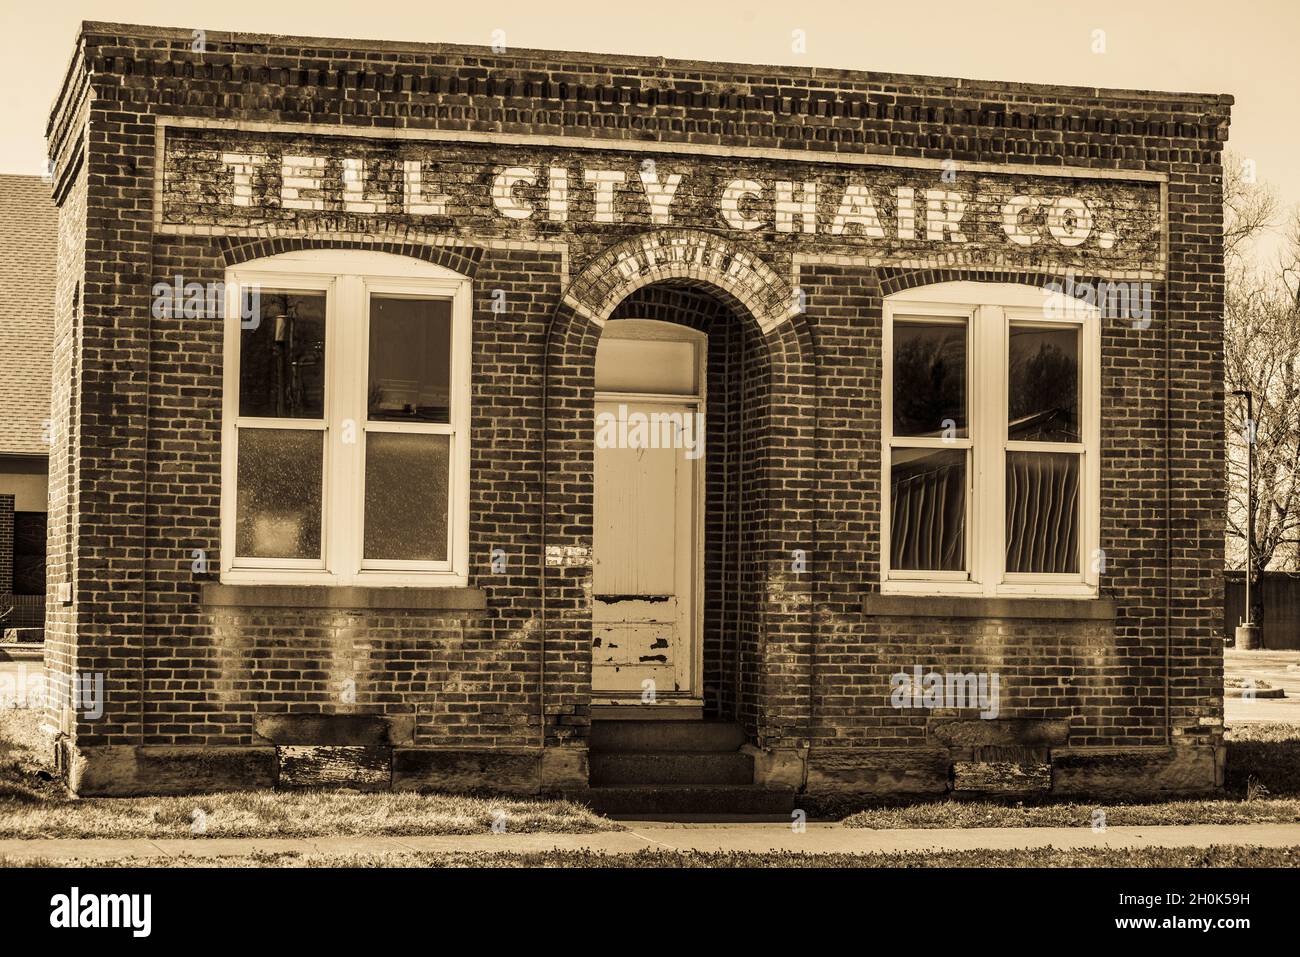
x=278 y=505
x=282 y=359
x=406 y=496
x=1043 y=512
x=928 y=498
x=1043 y=385
x=410 y=359
x=646 y=365
x=929 y=378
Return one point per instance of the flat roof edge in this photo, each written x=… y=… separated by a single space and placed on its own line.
x=143 y=31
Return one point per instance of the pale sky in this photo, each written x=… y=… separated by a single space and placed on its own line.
x=1250 y=48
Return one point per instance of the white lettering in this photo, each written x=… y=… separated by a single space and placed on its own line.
x=354 y=189
x=787 y=208
x=660 y=195
x=943 y=212
x=557 y=194
x=906 y=212
x=732 y=196
x=241 y=169
x=298 y=173
x=414 y=199
x=1069 y=221
x=603 y=182
x=503 y=191
x=856 y=208
x=1018 y=232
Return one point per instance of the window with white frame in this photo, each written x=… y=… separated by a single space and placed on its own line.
x=346 y=421
x=990 y=451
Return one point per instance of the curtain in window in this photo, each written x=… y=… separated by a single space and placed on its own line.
x=928 y=494
x=1042 y=494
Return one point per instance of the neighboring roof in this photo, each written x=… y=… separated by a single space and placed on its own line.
x=29 y=237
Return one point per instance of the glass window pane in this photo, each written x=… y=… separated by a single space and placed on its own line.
x=928 y=499
x=282 y=358
x=1043 y=512
x=929 y=378
x=1043 y=384
x=278 y=503
x=646 y=365
x=406 y=496
x=410 y=360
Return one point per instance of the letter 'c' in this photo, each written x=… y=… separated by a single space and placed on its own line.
x=503 y=191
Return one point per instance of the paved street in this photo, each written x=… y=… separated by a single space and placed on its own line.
x=1270 y=667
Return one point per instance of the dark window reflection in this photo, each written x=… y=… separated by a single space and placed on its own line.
x=1043 y=386
x=410 y=360
x=929 y=379
x=282 y=359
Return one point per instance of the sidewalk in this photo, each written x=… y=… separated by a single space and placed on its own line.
x=817 y=839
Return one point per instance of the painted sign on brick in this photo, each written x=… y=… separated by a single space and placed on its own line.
x=234 y=181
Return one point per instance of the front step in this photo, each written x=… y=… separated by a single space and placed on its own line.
x=716 y=800
x=659 y=768
x=666 y=736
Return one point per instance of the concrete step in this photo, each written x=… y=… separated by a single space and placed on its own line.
x=666 y=736
x=630 y=768
x=718 y=802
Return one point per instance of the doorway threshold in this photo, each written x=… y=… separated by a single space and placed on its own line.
x=682 y=710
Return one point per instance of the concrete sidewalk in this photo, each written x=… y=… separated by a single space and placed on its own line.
x=817 y=839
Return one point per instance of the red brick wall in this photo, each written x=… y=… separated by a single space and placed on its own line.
x=814 y=668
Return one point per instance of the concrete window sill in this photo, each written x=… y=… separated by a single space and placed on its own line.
x=324 y=596
x=936 y=606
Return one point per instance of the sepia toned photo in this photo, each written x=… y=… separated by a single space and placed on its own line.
x=843 y=450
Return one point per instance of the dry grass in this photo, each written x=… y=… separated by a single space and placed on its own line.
x=291 y=814
x=1217 y=856
x=992 y=814
x=1263 y=776
x=34 y=805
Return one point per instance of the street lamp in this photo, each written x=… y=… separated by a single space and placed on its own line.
x=1247 y=635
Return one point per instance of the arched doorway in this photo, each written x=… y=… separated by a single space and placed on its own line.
x=680 y=528
x=758 y=511
x=648 y=515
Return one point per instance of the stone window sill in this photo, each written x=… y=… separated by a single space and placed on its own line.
x=944 y=606
x=328 y=596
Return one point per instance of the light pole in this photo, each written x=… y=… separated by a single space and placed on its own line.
x=1247 y=635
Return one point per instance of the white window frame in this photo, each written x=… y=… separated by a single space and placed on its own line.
x=989 y=309
x=349 y=278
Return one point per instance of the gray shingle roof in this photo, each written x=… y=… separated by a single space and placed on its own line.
x=28 y=247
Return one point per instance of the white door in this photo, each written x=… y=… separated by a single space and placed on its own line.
x=647 y=537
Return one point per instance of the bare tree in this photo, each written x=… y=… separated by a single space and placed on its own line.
x=1262 y=355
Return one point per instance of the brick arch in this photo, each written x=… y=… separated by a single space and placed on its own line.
x=462 y=259
x=682 y=255
x=683 y=303
x=785 y=607
x=899 y=280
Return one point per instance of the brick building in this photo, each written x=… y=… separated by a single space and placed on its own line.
x=647 y=430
